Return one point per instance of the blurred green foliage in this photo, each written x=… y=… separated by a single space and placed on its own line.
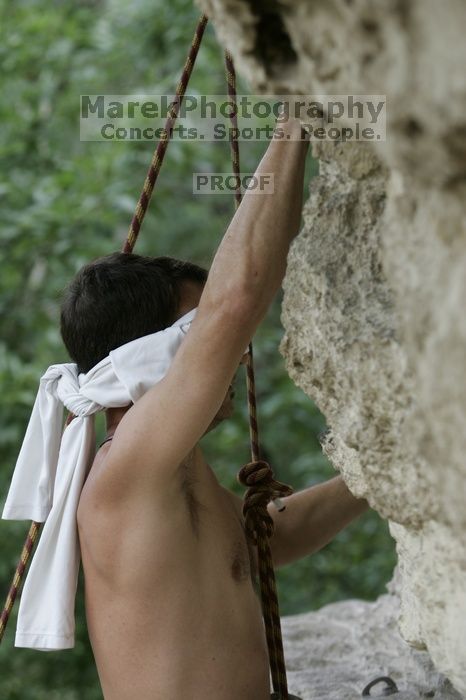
x=64 y=202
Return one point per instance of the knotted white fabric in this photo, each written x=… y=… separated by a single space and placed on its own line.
x=51 y=469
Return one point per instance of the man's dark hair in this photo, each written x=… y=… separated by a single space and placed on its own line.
x=118 y=298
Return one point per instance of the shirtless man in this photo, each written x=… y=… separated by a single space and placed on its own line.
x=171 y=607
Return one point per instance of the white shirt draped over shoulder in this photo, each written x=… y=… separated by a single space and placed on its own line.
x=52 y=466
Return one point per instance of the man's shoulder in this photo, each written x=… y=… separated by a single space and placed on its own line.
x=113 y=478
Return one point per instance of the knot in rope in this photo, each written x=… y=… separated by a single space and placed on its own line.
x=263 y=488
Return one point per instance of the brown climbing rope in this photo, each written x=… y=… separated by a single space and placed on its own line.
x=257 y=475
x=18 y=575
x=159 y=154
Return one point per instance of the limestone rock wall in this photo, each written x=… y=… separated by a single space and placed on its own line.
x=375 y=291
x=335 y=652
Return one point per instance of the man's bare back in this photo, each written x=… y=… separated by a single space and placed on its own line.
x=170 y=601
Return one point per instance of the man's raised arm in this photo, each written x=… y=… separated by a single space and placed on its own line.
x=251 y=259
x=157 y=433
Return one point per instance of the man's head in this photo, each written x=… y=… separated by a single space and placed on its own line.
x=121 y=297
